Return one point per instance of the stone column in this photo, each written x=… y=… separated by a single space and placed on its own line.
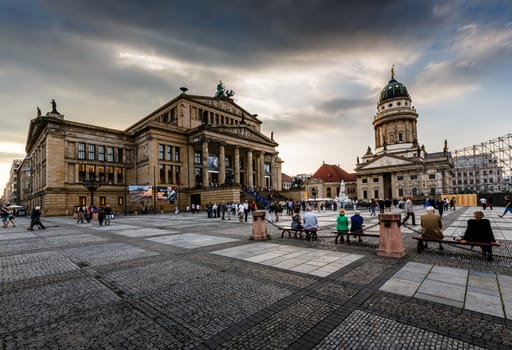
x=250 y=182
x=261 y=169
x=191 y=167
x=236 y=166
x=205 y=164
x=222 y=164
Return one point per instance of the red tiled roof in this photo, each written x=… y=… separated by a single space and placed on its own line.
x=333 y=173
x=285 y=177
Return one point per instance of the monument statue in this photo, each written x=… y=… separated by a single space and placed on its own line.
x=220 y=89
x=54 y=106
x=38 y=111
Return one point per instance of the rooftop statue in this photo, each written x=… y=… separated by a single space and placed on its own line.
x=54 y=106
x=222 y=92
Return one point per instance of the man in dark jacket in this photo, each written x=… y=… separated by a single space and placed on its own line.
x=35 y=219
x=479 y=230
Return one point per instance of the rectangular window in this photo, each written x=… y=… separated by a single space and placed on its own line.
x=169 y=153
x=101 y=173
x=81 y=151
x=227 y=162
x=81 y=172
x=103 y=201
x=120 y=176
x=400 y=137
x=119 y=155
x=162 y=173
x=414 y=191
x=431 y=176
x=414 y=177
x=400 y=178
x=110 y=154
x=161 y=151
x=92 y=172
x=197 y=158
x=92 y=152
x=82 y=200
x=375 y=179
x=101 y=153
x=365 y=181
x=375 y=193
x=110 y=175
x=400 y=192
x=120 y=200
x=176 y=154
x=365 y=194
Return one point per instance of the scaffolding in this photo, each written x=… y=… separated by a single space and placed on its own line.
x=486 y=165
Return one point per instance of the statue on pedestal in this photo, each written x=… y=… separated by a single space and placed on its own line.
x=54 y=106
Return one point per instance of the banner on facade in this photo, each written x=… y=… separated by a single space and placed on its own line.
x=213 y=162
x=167 y=193
x=140 y=193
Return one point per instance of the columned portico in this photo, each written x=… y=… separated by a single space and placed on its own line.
x=222 y=164
x=261 y=169
x=237 y=165
x=205 y=163
x=249 y=175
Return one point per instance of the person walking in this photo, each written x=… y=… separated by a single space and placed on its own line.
x=508 y=206
x=108 y=215
x=409 y=211
x=35 y=219
x=440 y=206
x=479 y=230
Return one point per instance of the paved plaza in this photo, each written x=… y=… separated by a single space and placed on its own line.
x=188 y=282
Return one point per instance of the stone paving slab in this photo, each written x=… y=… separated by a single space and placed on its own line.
x=305 y=260
x=141 y=232
x=191 y=240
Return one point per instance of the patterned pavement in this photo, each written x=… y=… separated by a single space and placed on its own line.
x=188 y=282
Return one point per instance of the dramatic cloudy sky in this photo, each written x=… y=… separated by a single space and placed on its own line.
x=311 y=69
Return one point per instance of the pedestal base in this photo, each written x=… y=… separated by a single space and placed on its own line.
x=259 y=226
x=390 y=242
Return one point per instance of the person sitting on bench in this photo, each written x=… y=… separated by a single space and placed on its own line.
x=431 y=226
x=356 y=224
x=479 y=230
x=342 y=227
x=296 y=219
x=310 y=223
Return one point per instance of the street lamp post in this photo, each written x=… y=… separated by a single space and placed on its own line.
x=92 y=185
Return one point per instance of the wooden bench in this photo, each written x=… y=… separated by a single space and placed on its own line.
x=359 y=234
x=298 y=232
x=446 y=240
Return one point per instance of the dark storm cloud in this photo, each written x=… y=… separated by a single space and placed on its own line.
x=242 y=33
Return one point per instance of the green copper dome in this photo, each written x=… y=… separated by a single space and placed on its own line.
x=393 y=89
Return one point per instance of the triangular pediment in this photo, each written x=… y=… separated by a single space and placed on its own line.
x=245 y=133
x=385 y=161
x=223 y=104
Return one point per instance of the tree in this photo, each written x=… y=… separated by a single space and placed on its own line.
x=297 y=183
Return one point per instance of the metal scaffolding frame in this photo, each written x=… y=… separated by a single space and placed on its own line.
x=495 y=153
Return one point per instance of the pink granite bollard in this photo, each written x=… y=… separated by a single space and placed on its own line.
x=259 y=226
x=390 y=242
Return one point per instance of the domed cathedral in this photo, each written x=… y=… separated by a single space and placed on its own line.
x=399 y=166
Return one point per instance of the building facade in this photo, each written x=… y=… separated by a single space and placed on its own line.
x=480 y=173
x=205 y=148
x=326 y=182
x=399 y=166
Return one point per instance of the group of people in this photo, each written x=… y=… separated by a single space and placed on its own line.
x=87 y=213
x=7 y=216
x=478 y=230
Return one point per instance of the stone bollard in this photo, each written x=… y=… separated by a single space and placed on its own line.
x=390 y=242
x=259 y=226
